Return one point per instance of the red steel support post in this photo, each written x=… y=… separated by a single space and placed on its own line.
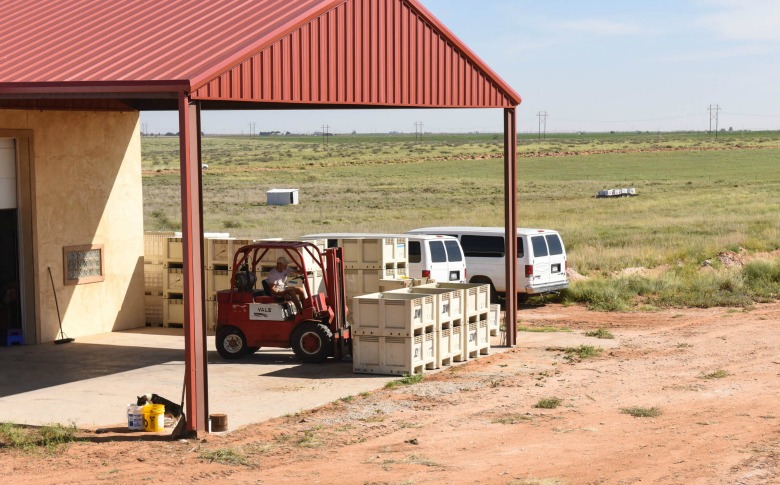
x=510 y=222
x=195 y=360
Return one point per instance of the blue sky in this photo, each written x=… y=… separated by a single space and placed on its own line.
x=599 y=65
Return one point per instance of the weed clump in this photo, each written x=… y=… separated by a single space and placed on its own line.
x=406 y=380
x=225 y=456
x=582 y=352
x=600 y=333
x=48 y=437
x=548 y=403
x=637 y=412
x=718 y=374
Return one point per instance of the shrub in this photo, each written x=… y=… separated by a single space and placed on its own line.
x=548 y=403
x=642 y=412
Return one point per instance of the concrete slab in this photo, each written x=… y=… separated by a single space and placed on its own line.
x=91 y=381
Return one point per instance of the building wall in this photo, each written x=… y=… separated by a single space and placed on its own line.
x=85 y=189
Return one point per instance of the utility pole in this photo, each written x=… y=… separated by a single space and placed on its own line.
x=251 y=129
x=542 y=115
x=325 y=134
x=145 y=129
x=418 y=130
x=714 y=116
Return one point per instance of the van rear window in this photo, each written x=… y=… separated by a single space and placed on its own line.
x=540 y=247
x=520 y=250
x=438 y=255
x=554 y=243
x=482 y=246
x=414 y=252
x=453 y=251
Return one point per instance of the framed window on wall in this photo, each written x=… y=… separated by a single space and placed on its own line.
x=83 y=264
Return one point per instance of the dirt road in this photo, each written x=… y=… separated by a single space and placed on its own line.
x=711 y=376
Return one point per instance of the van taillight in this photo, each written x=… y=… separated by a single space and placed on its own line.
x=465 y=275
x=529 y=270
x=426 y=273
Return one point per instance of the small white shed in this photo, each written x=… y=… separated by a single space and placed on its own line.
x=282 y=197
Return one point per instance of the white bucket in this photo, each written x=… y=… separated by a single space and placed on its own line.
x=135 y=417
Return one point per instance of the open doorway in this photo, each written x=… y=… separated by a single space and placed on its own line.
x=10 y=302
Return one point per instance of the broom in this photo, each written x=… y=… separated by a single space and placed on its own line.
x=65 y=339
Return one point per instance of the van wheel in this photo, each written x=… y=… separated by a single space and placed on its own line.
x=484 y=280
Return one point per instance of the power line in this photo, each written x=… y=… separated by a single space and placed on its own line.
x=542 y=115
x=714 y=116
x=418 y=130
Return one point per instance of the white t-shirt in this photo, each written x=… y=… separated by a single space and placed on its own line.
x=277 y=280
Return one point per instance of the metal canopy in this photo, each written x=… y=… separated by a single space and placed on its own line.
x=190 y=55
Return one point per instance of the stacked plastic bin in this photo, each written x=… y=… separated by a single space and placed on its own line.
x=393 y=333
x=164 y=275
x=475 y=332
x=154 y=249
x=494 y=319
x=370 y=262
x=449 y=315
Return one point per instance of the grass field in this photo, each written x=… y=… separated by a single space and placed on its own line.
x=698 y=196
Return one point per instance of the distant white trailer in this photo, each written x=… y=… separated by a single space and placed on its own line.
x=282 y=197
x=625 y=192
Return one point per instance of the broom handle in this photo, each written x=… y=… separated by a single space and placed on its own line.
x=56 y=304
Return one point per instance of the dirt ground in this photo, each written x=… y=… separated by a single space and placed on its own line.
x=714 y=374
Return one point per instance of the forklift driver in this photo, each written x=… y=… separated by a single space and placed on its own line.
x=277 y=281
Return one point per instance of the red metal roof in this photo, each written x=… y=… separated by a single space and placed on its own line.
x=304 y=52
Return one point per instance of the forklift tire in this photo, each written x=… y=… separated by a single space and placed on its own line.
x=231 y=343
x=312 y=342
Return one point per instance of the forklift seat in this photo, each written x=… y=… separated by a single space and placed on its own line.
x=267 y=290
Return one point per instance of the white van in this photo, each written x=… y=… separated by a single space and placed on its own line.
x=541 y=258
x=434 y=257
x=438 y=258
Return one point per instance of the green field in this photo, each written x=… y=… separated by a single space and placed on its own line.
x=698 y=196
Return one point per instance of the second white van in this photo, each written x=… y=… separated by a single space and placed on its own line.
x=541 y=258
x=433 y=257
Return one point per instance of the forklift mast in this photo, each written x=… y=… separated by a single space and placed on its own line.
x=335 y=286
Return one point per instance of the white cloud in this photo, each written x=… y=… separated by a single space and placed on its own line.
x=744 y=20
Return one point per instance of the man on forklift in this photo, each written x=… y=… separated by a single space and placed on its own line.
x=277 y=282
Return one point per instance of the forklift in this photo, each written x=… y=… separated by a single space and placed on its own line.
x=249 y=318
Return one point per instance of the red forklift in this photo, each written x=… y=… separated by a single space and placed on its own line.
x=249 y=318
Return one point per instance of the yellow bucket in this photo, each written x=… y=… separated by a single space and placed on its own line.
x=154 y=417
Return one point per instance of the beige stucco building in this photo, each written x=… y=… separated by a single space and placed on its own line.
x=77 y=211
